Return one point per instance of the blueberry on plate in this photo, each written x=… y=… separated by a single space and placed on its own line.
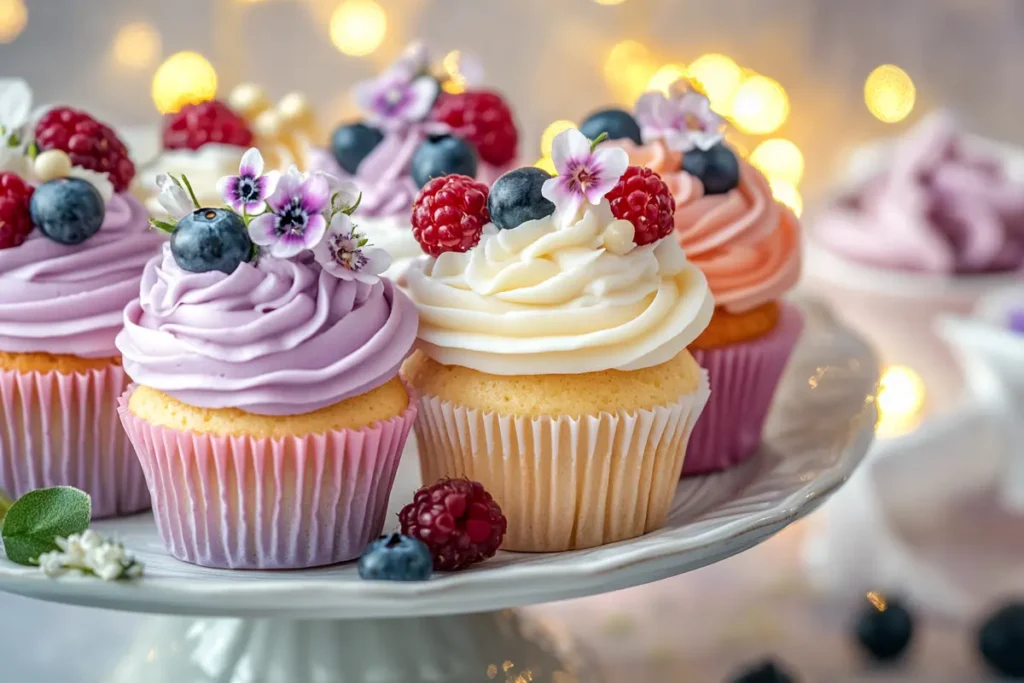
x=764 y=672
x=396 y=558
x=352 y=143
x=884 y=628
x=67 y=210
x=442 y=155
x=516 y=198
x=1001 y=640
x=211 y=239
x=718 y=169
x=618 y=124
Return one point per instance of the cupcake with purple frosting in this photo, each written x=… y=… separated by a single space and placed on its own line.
x=267 y=410
x=417 y=125
x=925 y=226
x=73 y=245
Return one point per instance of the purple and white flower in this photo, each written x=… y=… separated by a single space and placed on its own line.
x=247 y=191
x=295 y=220
x=345 y=196
x=174 y=198
x=344 y=253
x=402 y=95
x=585 y=174
x=684 y=120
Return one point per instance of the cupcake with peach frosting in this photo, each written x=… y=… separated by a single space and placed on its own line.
x=747 y=245
x=552 y=357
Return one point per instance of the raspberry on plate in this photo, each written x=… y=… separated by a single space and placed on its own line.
x=485 y=120
x=196 y=125
x=458 y=521
x=89 y=143
x=450 y=214
x=15 y=215
x=642 y=198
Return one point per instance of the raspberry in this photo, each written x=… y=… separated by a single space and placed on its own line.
x=200 y=124
x=15 y=217
x=89 y=143
x=449 y=214
x=458 y=520
x=485 y=120
x=642 y=198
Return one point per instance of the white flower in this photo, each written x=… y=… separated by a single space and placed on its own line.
x=344 y=193
x=344 y=253
x=53 y=564
x=109 y=572
x=91 y=539
x=585 y=174
x=15 y=105
x=173 y=197
x=90 y=553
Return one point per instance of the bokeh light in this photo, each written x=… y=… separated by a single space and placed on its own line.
x=664 y=77
x=901 y=396
x=786 y=193
x=358 y=27
x=547 y=164
x=13 y=19
x=547 y=138
x=137 y=46
x=456 y=81
x=609 y=2
x=628 y=68
x=719 y=76
x=760 y=106
x=779 y=159
x=890 y=93
x=183 y=78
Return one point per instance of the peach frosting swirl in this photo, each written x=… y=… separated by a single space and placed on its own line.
x=745 y=242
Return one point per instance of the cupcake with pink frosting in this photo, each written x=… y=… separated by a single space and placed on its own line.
x=746 y=244
x=267 y=410
x=417 y=125
x=73 y=245
x=922 y=226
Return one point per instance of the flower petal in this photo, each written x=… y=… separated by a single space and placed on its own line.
x=316 y=228
x=267 y=184
x=227 y=188
x=377 y=261
x=252 y=164
x=364 y=93
x=288 y=186
x=174 y=199
x=341 y=224
x=424 y=92
x=569 y=145
x=263 y=230
x=613 y=162
x=646 y=107
x=316 y=195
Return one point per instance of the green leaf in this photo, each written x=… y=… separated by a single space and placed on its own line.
x=5 y=505
x=191 y=192
x=39 y=517
x=33 y=151
x=163 y=226
x=352 y=209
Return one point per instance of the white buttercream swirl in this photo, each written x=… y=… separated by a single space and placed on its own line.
x=545 y=299
x=204 y=167
x=394 y=235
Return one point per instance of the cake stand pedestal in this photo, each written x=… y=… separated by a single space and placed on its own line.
x=328 y=626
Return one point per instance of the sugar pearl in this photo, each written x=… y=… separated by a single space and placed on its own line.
x=52 y=164
x=618 y=237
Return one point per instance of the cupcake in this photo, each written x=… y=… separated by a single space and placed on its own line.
x=72 y=248
x=412 y=130
x=746 y=244
x=205 y=141
x=266 y=408
x=552 y=363
x=926 y=225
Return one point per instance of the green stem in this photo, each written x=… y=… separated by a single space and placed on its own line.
x=191 y=192
x=598 y=140
x=162 y=226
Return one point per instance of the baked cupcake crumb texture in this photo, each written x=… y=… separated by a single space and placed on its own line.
x=734 y=328
x=63 y=364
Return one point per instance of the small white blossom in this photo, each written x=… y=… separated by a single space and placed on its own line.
x=90 y=553
x=53 y=564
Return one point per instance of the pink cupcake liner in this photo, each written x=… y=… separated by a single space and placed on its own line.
x=743 y=381
x=563 y=482
x=250 y=503
x=63 y=430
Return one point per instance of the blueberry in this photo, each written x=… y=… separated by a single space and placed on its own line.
x=353 y=143
x=396 y=558
x=68 y=210
x=211 y=239
x=884 y=628
x=1001 y=640
x=617 y=123
x=443 y=155
x=717 y=168
x=516 y=198
x=765 y=672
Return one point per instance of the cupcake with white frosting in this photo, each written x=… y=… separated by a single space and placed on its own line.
x=552 y=359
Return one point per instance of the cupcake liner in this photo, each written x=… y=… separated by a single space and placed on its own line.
x=743 y=378
x=63 y=430
x=250 y=503
x=564 y=482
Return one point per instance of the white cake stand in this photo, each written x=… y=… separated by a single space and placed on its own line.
x=328 y=626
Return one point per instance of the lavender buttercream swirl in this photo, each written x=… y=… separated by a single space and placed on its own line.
x=68 y=299
x=281 y=337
